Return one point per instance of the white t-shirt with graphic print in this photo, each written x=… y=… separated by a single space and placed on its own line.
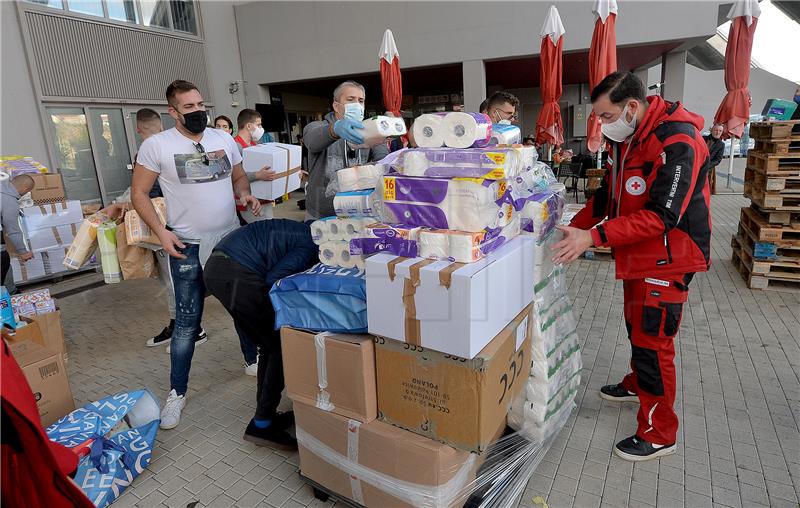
x=195 y=180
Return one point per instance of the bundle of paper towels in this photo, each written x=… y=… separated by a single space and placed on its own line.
x=454 y=129
x=490 y=162
x=360 y=177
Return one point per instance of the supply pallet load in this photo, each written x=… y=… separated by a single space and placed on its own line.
x=446 y=328
x=766 y=248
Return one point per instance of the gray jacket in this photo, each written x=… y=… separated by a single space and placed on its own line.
x=326 y=156
x=9 y=216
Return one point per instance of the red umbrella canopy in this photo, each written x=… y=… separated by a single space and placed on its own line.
x=391 y=80
x=602 y=59
x=549 y=128
x=734 y=111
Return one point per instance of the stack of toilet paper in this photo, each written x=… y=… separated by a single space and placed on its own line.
x=454 y=129
x=360 y=203
x=359 y=178
x=505 y=135
x=540 y=213
x=333 y=235
x=462 y=246
x=337 y=253
x=392 y=239
x=492 y=162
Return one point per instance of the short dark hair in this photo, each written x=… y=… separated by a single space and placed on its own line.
x=246 y=116
x=223 y=117
x=498 y=98
x=179 y=86
x=620 y=86
x=146 y=115
x=484 y=107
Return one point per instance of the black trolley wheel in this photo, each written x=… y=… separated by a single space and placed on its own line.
x=321 y=495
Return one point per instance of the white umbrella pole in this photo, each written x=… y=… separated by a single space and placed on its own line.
x=730 y=166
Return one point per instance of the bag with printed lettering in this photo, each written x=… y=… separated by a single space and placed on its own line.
x=114 y=437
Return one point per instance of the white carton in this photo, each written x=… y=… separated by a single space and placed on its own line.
x=50 y=215
x=449 y=307
x=283 y=159
x=46 y=262
x=52 y=237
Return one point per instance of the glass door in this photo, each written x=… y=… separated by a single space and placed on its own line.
x=73 y=150
x=112 y=154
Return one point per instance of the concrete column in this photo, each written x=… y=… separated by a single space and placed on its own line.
x=474 y=74
x=673 y=74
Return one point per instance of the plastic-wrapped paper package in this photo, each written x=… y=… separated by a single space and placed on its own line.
x=85 y=242
x=505 y=135
x=337 y=253
x=491 y=163
x=360 y=177
x=427 y=130
x=331 y=229
x=462 y=246
x=461 y=204
x=107 y=241
x=465 y=130
x=355 y=203
x=392 y=239
x=137 y=232
x=535 y=178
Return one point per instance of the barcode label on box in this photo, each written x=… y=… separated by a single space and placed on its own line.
x=51 y=369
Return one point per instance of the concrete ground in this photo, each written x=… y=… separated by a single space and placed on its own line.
x=738 y=359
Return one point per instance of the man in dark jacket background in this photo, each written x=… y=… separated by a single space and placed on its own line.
x=240 y=272
x=716 y=149
x=656 y=198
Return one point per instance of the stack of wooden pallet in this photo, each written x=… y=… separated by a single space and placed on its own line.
x=766 y=249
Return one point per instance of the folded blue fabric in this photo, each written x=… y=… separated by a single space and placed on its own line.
x=322 y=299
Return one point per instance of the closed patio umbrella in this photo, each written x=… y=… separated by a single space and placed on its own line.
x=602 y=60
x=549 y=128
x=391 y=79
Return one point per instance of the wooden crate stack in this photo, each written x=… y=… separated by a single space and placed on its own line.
x=766 y=249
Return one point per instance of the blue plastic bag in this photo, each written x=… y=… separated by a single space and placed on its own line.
x=113 y=461
x=322 y=299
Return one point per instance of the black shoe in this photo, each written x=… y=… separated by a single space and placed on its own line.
x=617 y=393
x=637 y=450
x=165 y=337
x=270 y=436
x=283 y=421
x=202 y=338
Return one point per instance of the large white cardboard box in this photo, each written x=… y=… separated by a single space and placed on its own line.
x=283 y=159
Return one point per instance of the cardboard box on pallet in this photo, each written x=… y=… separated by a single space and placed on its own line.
x=334 y=372
x=377 y=464
x=454 y=400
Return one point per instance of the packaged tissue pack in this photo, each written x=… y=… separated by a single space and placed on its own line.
x=494 y=163
x=359 y=177
x=463 y=204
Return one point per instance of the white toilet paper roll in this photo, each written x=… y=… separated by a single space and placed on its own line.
x=383 y=127
x=320 y=231
x=465 y=130
x=359 y=177
x=338 y=254
x=505 y=135
x=427 y=130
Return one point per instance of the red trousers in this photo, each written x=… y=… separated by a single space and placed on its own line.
x=653 y=310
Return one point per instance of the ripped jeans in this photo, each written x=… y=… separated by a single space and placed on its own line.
x=190 y=292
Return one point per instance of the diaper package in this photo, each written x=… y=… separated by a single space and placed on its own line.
x=85 y=242
x=472 y=205
x=495 y=163
x=359 y=177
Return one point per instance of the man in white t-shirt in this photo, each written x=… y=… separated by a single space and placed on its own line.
x=197 y=168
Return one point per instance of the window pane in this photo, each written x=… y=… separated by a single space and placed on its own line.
x=74 y=153
x=93 y=7
x=183 y=15
x=113 y=157
x=58 y=4
x=122 y=10
x=167 y=121
x=155 y=13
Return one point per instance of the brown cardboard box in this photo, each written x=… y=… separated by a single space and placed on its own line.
x=44 y=369
x=454 y=400
x=350 y=365
x=367 y=462
x=48 y=188
x=30 y=332
x=51 y=330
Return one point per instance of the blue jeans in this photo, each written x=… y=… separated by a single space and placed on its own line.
x=249 y=348
x=190 y=292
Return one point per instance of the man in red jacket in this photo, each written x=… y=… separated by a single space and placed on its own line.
x=656 y=198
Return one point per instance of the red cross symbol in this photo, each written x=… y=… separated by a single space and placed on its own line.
x=636 y=186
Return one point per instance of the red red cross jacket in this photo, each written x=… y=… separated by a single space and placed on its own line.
x=657 y=204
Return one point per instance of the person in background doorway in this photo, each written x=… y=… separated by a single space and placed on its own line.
x=330 y=149
x=529 y=142
x=716 y=149
x=502 y=107
x=224 y=123
x=11 y=190
x=198 y=168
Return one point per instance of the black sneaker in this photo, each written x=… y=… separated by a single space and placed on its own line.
x=638 y=450
x=164 y=337
x=283 y=421
x=270 y=436
x=617 y=393
x=202 y=338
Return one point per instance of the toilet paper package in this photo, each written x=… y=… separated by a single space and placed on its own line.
x=383 y=127
x=337 y=253
x=465 y=130
x=540 y=213
x=472 y=205
x=535 y=177
x=427 y=130
x=464 y=247
x=392 y=239
x=495 y=163
x=354 y=203
x=505 y=135
x=360 y=177
x=336 y=228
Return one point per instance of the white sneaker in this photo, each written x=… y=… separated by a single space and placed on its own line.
x=251 y=369
x=171 y=414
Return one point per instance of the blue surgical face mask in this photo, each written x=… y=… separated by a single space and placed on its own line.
x=354 y=111
x=797 y=99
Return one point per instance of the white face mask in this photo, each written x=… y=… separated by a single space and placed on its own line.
x=257 y=133
x=504 y=122
x=354 y=111
x=621 y=129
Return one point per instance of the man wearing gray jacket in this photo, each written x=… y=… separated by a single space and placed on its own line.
x=330 y=148
x=10 y=192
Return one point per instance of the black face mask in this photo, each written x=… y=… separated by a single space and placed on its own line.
x=196 y=121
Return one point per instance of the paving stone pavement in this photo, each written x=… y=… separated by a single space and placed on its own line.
x=738 y=359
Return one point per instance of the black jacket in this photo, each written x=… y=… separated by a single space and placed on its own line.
x=715 y=151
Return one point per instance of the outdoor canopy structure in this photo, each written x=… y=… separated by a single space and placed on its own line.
x=549 y=128
x=602 y=60
x=391 y=79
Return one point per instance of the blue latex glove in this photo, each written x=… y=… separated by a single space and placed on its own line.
x=347 y=128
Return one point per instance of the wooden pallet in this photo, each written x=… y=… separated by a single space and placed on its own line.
x=768 y=251
x=774 y=164
x=777 y=202
x=778 y=146
x=770 y=183
x=774 y=130
x=791 y=219
x=776 y=281
x=763 y=231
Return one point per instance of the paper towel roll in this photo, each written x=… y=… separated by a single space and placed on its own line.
x=505 y=135
x=458 y=246
x=383 y=127
x=320 y=231
x=359 y=177
x=427 y=130
x=465 y=130
x=107 y=241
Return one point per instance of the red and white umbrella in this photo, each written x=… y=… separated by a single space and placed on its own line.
x=549 y=128
x=602 y=59
x=391 y=79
